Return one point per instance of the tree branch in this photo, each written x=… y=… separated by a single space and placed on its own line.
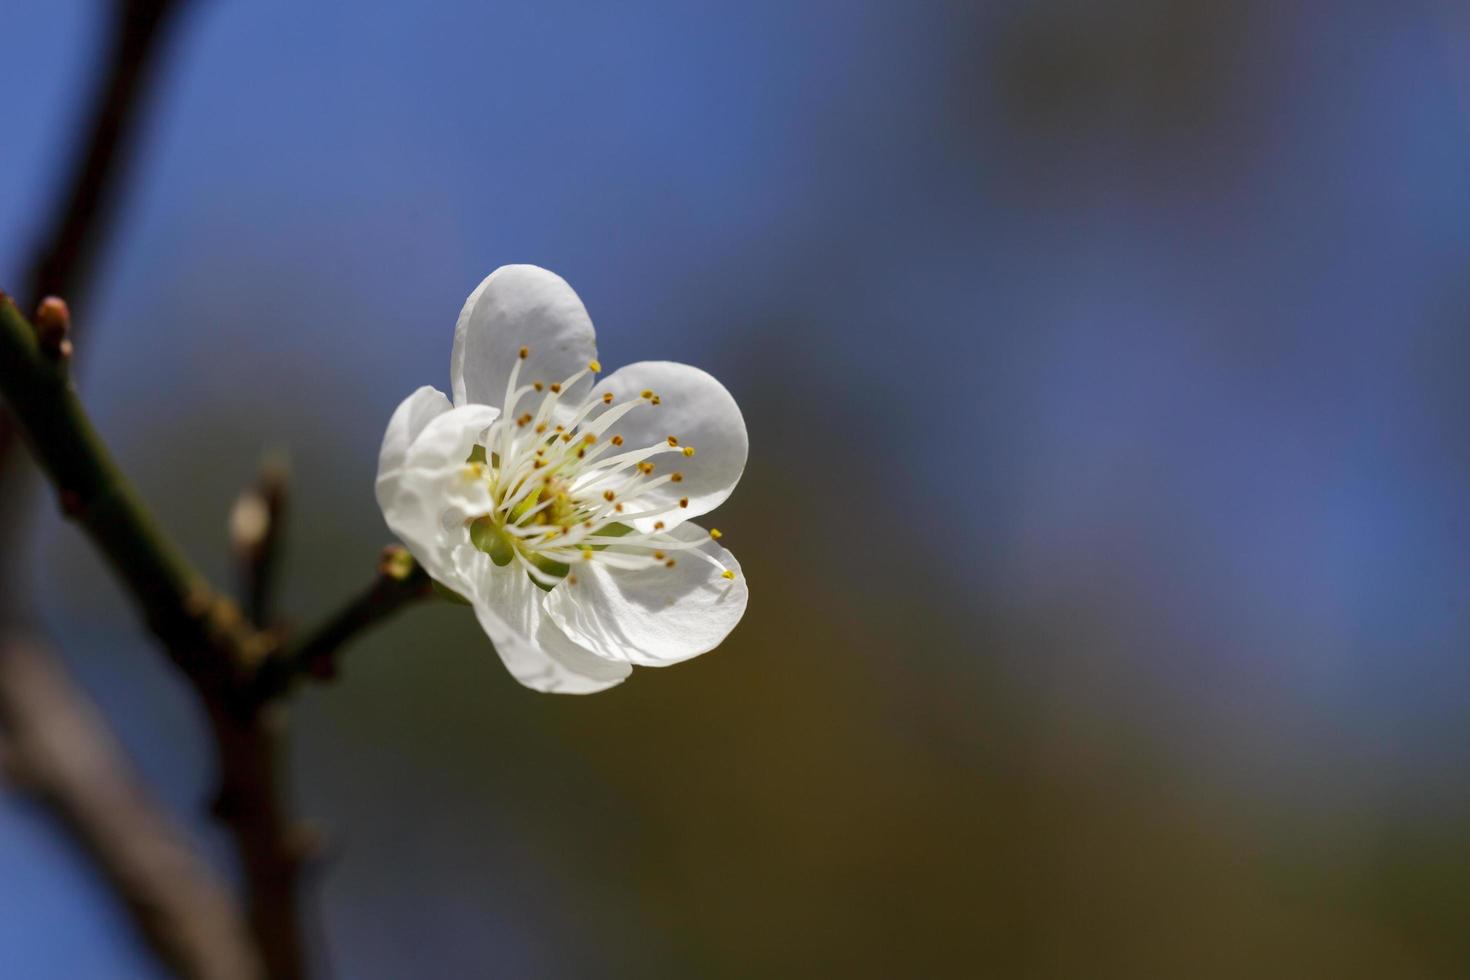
x=58 y=748
x=61 y=263
x=400 y=582
x=176 y=602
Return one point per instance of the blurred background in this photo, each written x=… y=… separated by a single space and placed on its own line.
x=1106 y=512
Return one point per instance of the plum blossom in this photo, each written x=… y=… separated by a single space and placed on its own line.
x=560 y=506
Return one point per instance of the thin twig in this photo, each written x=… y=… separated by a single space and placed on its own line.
x=58 y=749
x=400 y=582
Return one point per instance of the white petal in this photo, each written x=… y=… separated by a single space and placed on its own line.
x=537 y=653
x=519 y=306
x=409 y=419
x=656 y=616
x=427 y=499
x=698 y=411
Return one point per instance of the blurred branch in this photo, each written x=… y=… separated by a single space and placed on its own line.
x=257 y=528
x=63 y=255
x=400 y=582
x=61 y=262
x=57 y=747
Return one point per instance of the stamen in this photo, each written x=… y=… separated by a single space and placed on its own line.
x=617 y=440
x=646 y=393
x=677 y=477
x=594 y=366
x=688 y=450
x=716 y=533
x=607 y=398
x=727 y=573
x=683 y=501
x=525 y=353
x=673 y=441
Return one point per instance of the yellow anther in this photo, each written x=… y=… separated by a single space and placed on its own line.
x=659 y=526
x=540 y=428
x=677 y=477
x=716 y=533
x=727 y=573
x=659 y=555
x=525 y=353
x=656 y=400
x=565 y=436
x=688 y=450
x=670 y=563
x=536 y=464
x=618 y=508
x=524 y=419
x=556 y=389
x=586 y=554
x=673 y=441
x=537 y=385
x=572 y=579
x=589 y=438
x=646 y=393
x=607 y=398
x=683 y=501
x=617 y=440
x=608 y=495
x=560 y=429
x=594 y=366
x=645 y=468
x=581 y=454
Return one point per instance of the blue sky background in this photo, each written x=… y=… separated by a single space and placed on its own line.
x=1105 y=376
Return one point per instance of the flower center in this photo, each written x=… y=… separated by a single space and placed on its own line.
x=564 y=488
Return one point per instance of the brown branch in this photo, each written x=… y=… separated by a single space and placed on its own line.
x=271 y=847
x=62 y=262
x=58 y=748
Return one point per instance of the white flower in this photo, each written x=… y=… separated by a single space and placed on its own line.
x=560 y=506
